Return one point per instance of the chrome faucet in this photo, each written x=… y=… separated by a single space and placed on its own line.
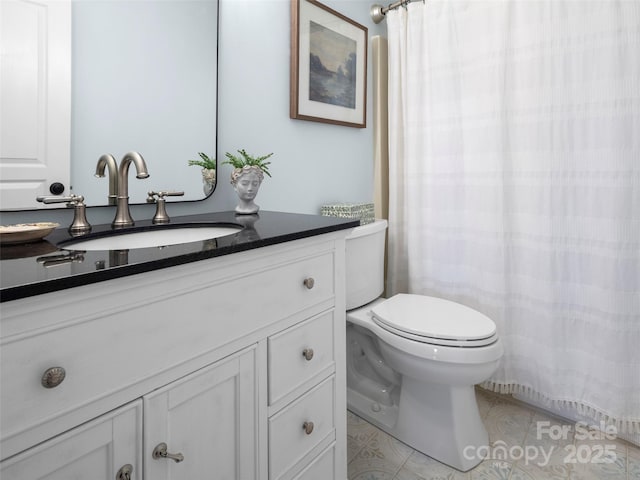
x=107 y=161
x=123 y=217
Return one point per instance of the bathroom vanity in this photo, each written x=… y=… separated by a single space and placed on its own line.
x=216 y=359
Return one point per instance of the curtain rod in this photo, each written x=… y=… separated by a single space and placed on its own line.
x=378 y=11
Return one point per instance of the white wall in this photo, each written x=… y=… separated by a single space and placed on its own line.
x=313 y=163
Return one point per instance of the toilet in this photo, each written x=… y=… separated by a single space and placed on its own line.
x=413 y=360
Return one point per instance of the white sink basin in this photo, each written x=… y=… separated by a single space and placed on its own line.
x=151 y=238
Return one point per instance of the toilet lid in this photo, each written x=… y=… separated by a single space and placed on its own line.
x=434 y=320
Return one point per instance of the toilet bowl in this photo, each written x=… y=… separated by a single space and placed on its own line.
x=413 y=360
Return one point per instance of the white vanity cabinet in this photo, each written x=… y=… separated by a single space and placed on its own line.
x=236 y=363
x=110 y=445
x=211 y=417
x=207 y=414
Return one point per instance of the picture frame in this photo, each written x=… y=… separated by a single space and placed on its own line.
x=328 y=66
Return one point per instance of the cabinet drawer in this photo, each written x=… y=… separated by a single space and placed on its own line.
x=322 y=467
x=298 y=354
x=290 y=435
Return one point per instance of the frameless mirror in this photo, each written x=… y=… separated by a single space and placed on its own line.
x=143 y=78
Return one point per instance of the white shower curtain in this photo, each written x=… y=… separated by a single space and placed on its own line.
x=514 y=131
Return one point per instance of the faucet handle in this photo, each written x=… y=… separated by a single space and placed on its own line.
x=80 y=224
x=70 y=200
x=161 y=211
x=161 y=194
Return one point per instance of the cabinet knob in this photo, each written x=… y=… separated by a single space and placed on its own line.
x=52 y=377
x=161 y=452
x=309 y=282
x=307 y=353
x=125 y=472
x=307 y=427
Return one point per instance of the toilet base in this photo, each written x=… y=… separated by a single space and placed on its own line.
x=382 y=416
x=440 y=421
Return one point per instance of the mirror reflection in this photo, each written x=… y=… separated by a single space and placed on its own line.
x=143 y=79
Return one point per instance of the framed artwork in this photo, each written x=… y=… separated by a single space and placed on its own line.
x=328 y=66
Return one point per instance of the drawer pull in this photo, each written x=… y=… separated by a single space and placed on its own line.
x=161 y=452
x=307 y=353
x=309 y=282
x=53 y=377
x=307 y=427
x=125 y=472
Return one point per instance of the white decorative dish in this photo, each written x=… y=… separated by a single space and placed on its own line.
x=25 y=232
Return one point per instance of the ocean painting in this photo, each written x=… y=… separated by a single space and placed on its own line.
x=332 y=67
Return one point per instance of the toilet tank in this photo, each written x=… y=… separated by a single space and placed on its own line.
x=365 y=263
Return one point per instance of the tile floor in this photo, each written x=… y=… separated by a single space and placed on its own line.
x=374 y=455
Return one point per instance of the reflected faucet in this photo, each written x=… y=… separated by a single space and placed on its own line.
x=123 y=217
x=107 y=161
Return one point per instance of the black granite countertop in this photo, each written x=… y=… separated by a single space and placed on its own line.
x=46 y=266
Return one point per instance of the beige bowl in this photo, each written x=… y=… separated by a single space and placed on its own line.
x=25 y=232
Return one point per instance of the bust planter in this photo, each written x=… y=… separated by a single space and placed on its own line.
x=246 y=178
x=247 y=181
x=208 y=171
x=208 y=180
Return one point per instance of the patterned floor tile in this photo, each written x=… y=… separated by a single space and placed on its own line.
x=633 y=463
x=598 y=459
x=532 y=472
x=405 y=474
x=379 y=459
x=533 y=444
x=492 y=470
x=358 y=430
x=371 y=474
x=419 y=466
x=485 y=401
x=508 y=423
x=353 y=448
x=545 y=449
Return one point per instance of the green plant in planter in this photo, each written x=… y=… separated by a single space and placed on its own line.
x=206 y=162
x=246 y=160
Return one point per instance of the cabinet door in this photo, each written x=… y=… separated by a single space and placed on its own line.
x=96 y=450
x=208 y=417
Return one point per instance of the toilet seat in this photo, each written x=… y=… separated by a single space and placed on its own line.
x=434 y=321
